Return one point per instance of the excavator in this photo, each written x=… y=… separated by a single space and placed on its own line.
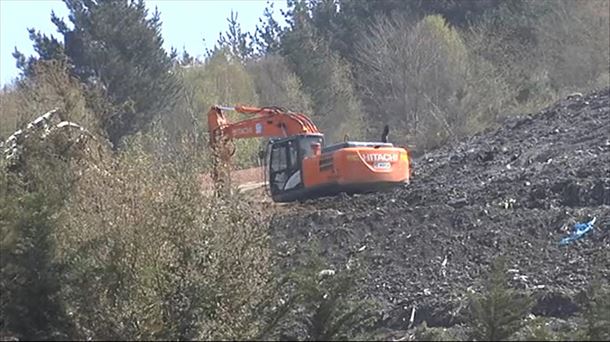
x=298 y=165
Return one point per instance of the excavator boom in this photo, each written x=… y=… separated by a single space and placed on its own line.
x=267 y=122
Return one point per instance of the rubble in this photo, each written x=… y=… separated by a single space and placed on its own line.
x=510 y=191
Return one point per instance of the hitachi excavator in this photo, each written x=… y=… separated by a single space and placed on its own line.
x=298 y=164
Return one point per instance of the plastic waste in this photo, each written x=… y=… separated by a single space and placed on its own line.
x=578 y=231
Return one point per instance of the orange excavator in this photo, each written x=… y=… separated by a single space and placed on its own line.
x=298 y=164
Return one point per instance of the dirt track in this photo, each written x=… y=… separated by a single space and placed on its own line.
x=246 y=176
x=516 y=191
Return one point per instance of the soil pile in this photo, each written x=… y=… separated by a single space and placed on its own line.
x=514 y=191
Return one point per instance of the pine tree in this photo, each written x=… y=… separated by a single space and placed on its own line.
x=597 y=312
x=114 y=46
x=498 y=313
x=238 y=43
x=325 y=77
x=268 y=36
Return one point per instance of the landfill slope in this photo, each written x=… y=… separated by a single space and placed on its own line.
x=514 y=191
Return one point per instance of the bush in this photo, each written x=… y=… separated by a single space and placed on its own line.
x=30 y=305
x=320 y=304
x=31 y=196
x=125 y=246
x=597 y=312
x=498 y=314
x=49 y=86
x=147 y=253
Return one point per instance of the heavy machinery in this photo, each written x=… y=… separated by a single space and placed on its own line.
x=298 y=163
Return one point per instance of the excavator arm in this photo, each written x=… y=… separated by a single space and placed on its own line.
x=266 y=122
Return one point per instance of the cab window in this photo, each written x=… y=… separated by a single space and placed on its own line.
x=292 y=152
x=278 y=159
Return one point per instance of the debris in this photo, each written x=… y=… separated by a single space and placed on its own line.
x=324 y=273
x=508 y=203
x=412 y=319
x=458 y=202
x=406 y=248
x=578 y=231
x=444 y=267
x=404 y=338
x=13 y=145
x=574 y=96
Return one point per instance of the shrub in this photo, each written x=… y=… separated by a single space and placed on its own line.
x=31 y=196
x=320 y=305
x=597 y=312
x=498 y=313
x=147 y=257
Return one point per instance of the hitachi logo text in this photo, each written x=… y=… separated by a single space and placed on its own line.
x=242 y=131
x=385 y=157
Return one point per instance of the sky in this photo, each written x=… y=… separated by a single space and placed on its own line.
x=185 y=23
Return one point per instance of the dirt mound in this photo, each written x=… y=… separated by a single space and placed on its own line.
x=516 y=190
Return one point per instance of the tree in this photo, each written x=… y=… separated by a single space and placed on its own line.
x=326 y=77
x=220 y=80
x=413 y=75
x=575 y=38
x=49 y=85
x=343 y=22
x=268 y=36
x=239 y=44
x=32 y=193
x=114 y=46
x=277 y=85
x=498 y=313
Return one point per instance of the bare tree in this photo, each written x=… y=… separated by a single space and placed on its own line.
x=413 y=73
x=575 y=39
x=277 y=85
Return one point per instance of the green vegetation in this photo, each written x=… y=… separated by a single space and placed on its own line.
x=597 y=312
x=498 y=313
x=435 y=70
x=321 y=305
x=129 y=64
x=111 y=237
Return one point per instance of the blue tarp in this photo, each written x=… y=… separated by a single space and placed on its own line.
x=578 y=231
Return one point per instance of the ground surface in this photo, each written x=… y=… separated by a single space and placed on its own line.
x=248 y=177
x=515 y=191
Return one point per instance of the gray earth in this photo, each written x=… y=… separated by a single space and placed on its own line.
x=513 y=191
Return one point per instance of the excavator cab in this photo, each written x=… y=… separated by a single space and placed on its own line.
x=285 y=161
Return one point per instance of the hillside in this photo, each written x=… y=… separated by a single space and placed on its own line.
x=514 y=191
